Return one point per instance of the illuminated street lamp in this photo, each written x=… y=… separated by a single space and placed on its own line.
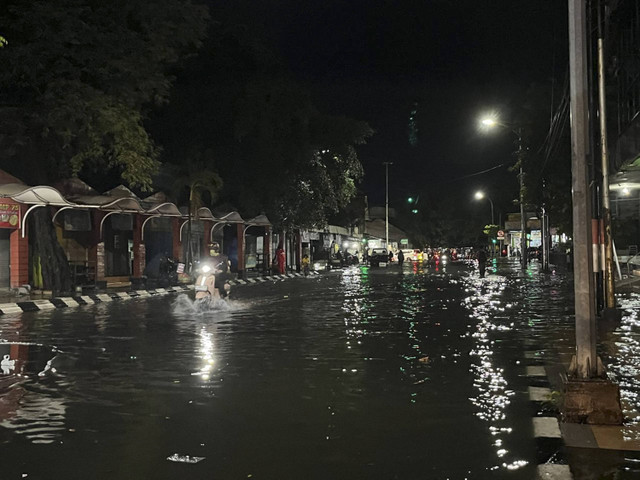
x=479 y=195
x=490 y=122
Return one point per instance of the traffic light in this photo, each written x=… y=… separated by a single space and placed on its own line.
x=410 y=199
x=493 y=240
x=415 y=210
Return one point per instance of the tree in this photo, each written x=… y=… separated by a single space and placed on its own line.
x=76 y=84
x=196 y=178
x=278 y=154
x=77 y=78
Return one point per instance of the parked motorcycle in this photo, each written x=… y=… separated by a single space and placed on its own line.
x=161 y=271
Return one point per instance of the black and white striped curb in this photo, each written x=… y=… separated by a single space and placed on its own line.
x=270 y=278
x=90 y=299
x=64 y=302
x=546 y=428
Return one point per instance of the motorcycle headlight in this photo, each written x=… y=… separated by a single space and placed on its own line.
x=205 y=269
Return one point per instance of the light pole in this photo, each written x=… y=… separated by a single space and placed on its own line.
x=479 y=195
x=386 y=203
x=490 y=123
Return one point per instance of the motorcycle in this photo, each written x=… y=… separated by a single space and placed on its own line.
x=209 y=285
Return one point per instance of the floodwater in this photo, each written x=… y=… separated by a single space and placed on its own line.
x=364 y=374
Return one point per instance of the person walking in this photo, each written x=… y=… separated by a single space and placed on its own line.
x=305 y=264
x=400 y=257
x=281 y=259
x=481 y=256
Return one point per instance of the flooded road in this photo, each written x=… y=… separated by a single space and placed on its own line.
x=363 y=374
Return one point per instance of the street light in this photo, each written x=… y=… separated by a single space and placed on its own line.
x=491 y=122
x=479 y=195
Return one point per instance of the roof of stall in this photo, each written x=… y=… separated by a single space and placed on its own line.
x=40 y=195
x=104 y=202
x=204 y=213
x=74 y=186
x=6 y=177
x=259 y=221
x=117 y=199
x=166 y=209
x=231 y=217
x=159 y=204
x=121 y=191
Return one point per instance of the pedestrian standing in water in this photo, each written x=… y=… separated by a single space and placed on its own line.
x=400 y=258
x=481 y=256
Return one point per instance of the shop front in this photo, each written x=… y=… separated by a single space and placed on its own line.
x=17 y=202
x=9 y=222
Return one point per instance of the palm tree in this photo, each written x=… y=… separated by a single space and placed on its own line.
x=197 y=179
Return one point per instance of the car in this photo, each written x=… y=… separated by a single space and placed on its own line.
x=409 y=254
x=379 y=257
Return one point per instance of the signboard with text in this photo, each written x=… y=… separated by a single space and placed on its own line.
x=9 y=215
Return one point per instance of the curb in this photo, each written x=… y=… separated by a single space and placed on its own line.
x=65 y=302
x=546 y=427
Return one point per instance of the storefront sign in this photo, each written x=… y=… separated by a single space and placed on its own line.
x=9 y=215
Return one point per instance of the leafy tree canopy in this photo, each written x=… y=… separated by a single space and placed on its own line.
x=277 y=153
x=77 y=76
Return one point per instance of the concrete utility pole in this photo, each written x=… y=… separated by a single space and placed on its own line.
x=523 y=219
x=386 y=203
x=587 y=397
x=585 y=364
x=609 y=285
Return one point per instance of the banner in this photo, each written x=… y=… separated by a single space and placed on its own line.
x=9 y=215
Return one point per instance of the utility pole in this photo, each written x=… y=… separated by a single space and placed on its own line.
x=587 y=396
x=585 y=363
x=386 y=203
x=523 y=219
x=609 y=286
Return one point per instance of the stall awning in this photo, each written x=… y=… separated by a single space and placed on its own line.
x=231 y=217
x=40 y=195
x=166 y=209
x=259 y=221
x=104 y=202
x=204 y=213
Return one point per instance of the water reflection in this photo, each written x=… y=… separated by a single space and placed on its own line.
x=206 y=356
x=624 y=363
x=485 y=303
x=27 y=406
x=356 y=306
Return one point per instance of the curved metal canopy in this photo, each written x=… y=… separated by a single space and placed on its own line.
x=231 y=217
x=259 y=221
x=204 y=213
x=166 y=209
x=104 y=202
x=40 y=195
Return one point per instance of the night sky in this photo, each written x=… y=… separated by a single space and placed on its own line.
x=454 y=59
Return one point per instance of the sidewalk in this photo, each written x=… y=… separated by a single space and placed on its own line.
x=628 y=285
